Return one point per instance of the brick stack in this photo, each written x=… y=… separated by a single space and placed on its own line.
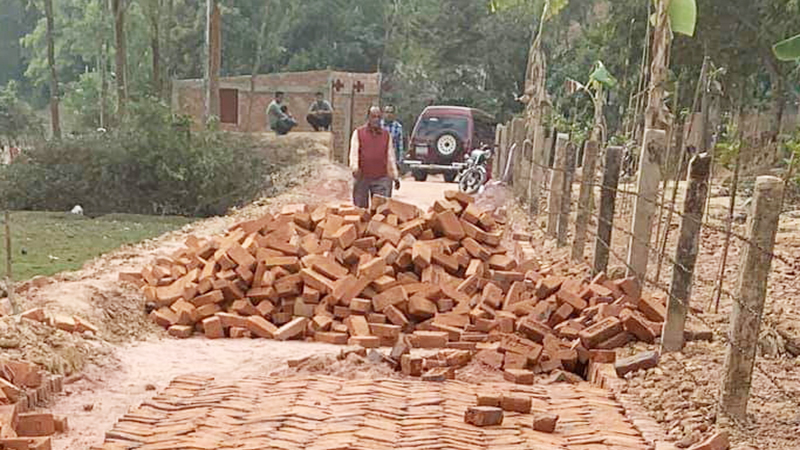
x=343 y=275
x=23 y=386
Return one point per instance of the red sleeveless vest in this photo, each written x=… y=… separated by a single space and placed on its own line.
x=373 y=152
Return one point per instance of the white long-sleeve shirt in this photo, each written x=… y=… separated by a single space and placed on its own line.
x=391 y=164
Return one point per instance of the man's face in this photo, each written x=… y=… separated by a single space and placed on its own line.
x=388 y=114
x=319 y=97
x=279 y=98
x=375 y=119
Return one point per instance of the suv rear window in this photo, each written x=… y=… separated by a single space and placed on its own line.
x=429 y=127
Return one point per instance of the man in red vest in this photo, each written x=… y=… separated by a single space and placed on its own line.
x=372 y=160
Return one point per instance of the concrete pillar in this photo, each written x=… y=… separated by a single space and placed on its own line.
x=608 y=197
x=566 y=195
x=745 y=322
x=648 y=179
x=556 y=184
x=686 y=253
x=537 y=170
x=585 y=199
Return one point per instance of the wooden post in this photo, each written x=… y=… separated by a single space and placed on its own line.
x=566 y=195
x=556 y=183
x=645 y=206
x=537 y=170
x=584 y=199
x=756 y=260
x=686 y=253
x=9 y=274
x=608 y=196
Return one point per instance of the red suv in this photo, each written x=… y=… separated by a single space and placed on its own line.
x=441 y=138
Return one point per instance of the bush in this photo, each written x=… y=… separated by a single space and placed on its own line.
x=152 y=165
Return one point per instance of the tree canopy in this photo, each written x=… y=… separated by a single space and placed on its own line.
x=464 y=52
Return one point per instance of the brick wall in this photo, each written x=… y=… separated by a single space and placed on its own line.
x=300 y=88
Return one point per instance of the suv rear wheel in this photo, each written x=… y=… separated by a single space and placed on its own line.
x=447 y=144
x=450 y=177
x=419 y=175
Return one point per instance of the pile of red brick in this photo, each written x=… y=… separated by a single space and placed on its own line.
x=70 y=324
x=23 y=386
x=343 y=275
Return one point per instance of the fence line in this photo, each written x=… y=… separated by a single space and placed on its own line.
x=551 y=189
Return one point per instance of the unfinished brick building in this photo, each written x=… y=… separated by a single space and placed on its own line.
x=243 y=106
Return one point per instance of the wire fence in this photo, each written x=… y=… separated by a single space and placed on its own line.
x=661 y=243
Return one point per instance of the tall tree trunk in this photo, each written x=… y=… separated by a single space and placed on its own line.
x=213 y=36
x=55 y=121
x=262 y=35
x=118 y=9
x=155 y=49
x=103 y=84
x=169 y=57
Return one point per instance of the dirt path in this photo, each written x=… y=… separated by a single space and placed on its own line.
x=104 y=393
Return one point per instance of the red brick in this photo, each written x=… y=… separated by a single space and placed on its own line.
x=396 y=316
x=265 y=308
x=483 y=416
x=294 y=328
x=518 y=376
x=639 y=361
x=476 y=249
x=61 y=423
x=384 y=231
x=516 y=403
x=331 y=337
x=35 y=314
x=603 y=356
x=212 y=327
x=653 y=308
x=545 y=422
x=494 y=399
x=635 y=324
x=164 y=317
x=181 y=331
x=365 y=341
x=232 y=320
x=411 y=365
x=35 y=424
x=261 y=327
x=390 y=297
x=502 y=262
x=428 y=339
x=513 y=360
x=385 y=330
x=491 y=358
x=241 y=256
x=317 y=281
x=421 y=308
x=533 y=330
x=357 y=325
x=239 y=332
x=26 y=443
x=601 y=331
x=571 y=299
x=718 y=441
x=448 y=224
x=348 y=288
x=372 y=269
x=616 y=341
x=345 y=236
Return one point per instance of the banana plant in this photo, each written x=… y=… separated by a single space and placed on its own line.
x=599 y=79
x=788 y=49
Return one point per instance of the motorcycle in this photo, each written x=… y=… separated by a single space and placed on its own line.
x=475 y=173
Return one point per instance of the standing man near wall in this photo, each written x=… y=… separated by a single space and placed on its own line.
x=395 y=129
x=372 y=160
x=320 y=114
x=279 y=122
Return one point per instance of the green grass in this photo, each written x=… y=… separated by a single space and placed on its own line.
x=45 y=243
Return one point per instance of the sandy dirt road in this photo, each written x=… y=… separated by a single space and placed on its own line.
x=100 y=395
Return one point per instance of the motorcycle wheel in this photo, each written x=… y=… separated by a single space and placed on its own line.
x=471 y=181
